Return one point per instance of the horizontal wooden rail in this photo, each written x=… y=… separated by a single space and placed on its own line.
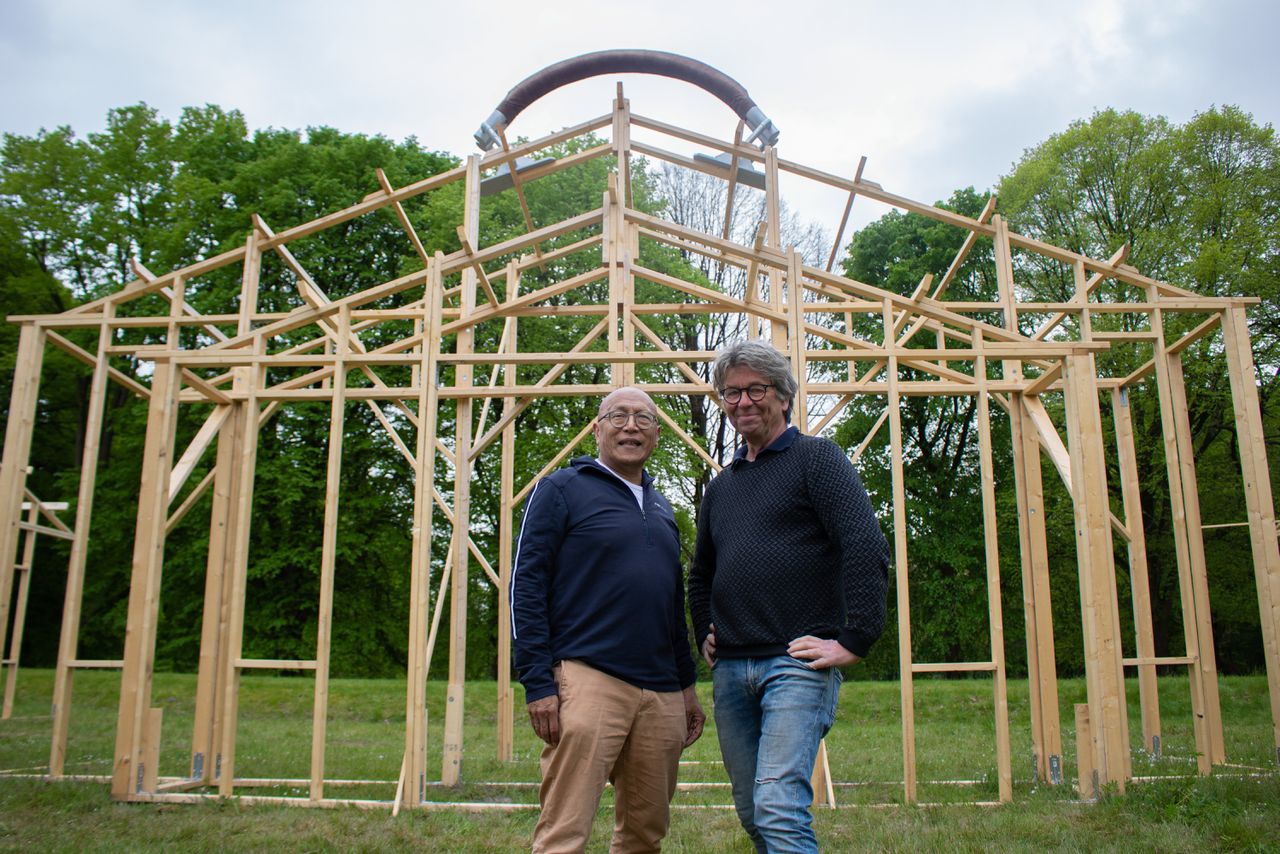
x=953 y=667
x=1160 y=660
x=273 y=664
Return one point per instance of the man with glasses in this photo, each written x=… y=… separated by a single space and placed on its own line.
x=601 y=647
x=787 y=586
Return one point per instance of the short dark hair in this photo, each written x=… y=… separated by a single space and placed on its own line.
x=763 y=358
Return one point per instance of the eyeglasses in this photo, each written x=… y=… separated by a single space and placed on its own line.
x=618 y=419
x=755 y=391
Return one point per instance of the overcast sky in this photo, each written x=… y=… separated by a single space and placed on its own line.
x=937 y=95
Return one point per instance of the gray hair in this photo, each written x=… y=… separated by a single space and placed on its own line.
x=759 y=356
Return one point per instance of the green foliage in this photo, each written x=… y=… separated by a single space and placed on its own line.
x=1199 y=207
x=940 y=446
x=169 y=195
x=1197 y=203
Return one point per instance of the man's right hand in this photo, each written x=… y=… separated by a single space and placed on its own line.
x=709 y=647
x=544 y=714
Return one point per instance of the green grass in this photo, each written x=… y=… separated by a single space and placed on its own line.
x=955 y=741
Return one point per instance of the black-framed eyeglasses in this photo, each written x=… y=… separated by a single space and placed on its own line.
x=618 y=419
x=755 y=391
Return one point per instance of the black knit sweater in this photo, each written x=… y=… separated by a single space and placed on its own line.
x=788 y=545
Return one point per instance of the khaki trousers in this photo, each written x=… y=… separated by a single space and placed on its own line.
x=609 y=731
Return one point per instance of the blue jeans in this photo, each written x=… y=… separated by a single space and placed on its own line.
x=771 y=714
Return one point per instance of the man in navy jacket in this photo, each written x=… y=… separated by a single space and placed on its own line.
x=597 y=610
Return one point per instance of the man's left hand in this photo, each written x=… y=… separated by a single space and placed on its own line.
x=693 y=715
x=821 y=654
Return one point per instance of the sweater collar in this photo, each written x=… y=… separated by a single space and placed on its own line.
x=777 y=446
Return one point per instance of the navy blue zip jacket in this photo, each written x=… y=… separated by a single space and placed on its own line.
x=599 y=581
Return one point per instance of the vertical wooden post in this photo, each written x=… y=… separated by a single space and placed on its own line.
x=1258 y=498
x=1086 y=755
x=1104 y=668
x=1046 y=727
x=622 y=143
x=69 y=634
x=796 y=339
x=211 y=673
x=1140 y=584
x=133 y=730
x=249 y=381
x=1183 y=536
x=631 y=241
x=506 y=532
x=995 y=612
x=1199 y=588
x=451 y=760
x=415 y=760
x=17 y=450
x=150 y=751
x=617 y=258
x=23 y=570
x=329 y=552
x=773 y=239
x=900 y=566
x=824 y=791
x=227 y=565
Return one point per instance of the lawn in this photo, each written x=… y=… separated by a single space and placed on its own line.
x=1238 y=808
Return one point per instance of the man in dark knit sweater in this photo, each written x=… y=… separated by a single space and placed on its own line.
x=597 y=611
x=787 y=586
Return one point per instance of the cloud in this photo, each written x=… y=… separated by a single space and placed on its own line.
x=937 y=95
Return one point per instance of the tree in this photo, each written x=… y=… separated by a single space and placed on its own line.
x=940 y=442
x=1199 y=207
x=697 y=200
x=167 y=195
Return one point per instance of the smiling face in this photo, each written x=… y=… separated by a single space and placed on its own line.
x=759 y=421
x=625 y=449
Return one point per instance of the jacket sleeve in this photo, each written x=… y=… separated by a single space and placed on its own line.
x=701 y=574
x=541 y=533
x=849 y=519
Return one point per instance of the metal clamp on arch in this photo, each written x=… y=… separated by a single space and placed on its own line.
x=724 y=87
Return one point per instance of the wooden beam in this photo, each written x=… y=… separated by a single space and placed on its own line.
x=23 y=570
x=1046 y=730
x=991 y=550
x=506 y=536
x=1171 y=425
x=1139 y=581
x=415 y=758
x=134 y=725
x=23 y=398
x=907 y=687
x=1104 y=672
x=844 y=217
x=1258 y=499
x=733 y=182
x=451 y=749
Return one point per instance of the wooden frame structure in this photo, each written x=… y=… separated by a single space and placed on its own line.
x=238 y=368
x=30 y=529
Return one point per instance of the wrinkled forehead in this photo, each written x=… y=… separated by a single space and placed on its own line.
x=627 y=400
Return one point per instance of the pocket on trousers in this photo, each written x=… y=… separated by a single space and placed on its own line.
x=562 y=681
